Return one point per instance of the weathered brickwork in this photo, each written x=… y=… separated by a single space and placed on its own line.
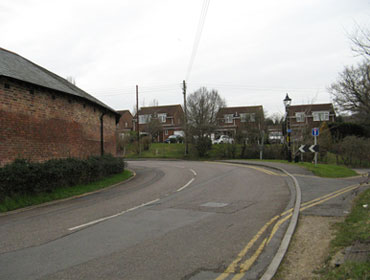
x=40 y=124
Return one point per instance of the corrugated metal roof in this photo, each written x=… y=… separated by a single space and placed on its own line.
x=17 y=67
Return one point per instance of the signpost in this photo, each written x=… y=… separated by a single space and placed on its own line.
x=315 y=133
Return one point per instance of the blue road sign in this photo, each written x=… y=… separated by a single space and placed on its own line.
x=315 y=131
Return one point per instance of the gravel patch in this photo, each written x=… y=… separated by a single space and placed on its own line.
x=308 y=249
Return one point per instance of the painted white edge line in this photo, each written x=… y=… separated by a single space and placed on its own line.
x=195 y=173
x=113 y=216
x=186 y=185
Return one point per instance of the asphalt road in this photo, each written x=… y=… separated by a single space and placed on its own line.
x=174 y=220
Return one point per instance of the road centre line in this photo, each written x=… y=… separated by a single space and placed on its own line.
x=249 y=262
x=113 y=216
x=186 y=185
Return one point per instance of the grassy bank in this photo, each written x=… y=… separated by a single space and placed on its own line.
x=355 y=228
x=176 y=151
x=20 y=201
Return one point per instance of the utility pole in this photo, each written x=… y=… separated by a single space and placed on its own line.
x=186 y=118
x=137 y=118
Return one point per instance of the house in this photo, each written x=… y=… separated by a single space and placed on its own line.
x=43 y=116
x=167 y=120
x=234 y=120
x=125 y=124
x=302 y=118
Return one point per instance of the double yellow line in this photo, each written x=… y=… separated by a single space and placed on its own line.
x=239 y=270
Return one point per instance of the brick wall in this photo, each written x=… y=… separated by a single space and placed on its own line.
x=40 y=124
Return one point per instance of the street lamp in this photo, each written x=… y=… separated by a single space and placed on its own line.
x=287 y=101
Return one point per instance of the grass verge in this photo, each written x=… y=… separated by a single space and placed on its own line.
x=355 y=228
x=20 y=201
x=321 y=170
x=329 y=170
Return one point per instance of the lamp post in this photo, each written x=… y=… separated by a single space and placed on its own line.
x=287 y=101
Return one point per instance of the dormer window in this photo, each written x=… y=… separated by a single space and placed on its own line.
x=248 y=117
x=162 y=117
x=320 y=116
x=228 y=118
x=299 y=116
x=143 y=119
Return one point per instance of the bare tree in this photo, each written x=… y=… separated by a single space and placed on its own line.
x=202 y=107
x=351 y=92
x=361 y=42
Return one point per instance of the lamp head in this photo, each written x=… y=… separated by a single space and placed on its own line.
x=287 y=101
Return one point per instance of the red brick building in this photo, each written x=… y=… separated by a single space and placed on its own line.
x=170 y=118
x=125 y=123
x=303 y=118
x=233 y=120
x=43 y=116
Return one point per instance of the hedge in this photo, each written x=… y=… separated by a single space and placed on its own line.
x=25 y=177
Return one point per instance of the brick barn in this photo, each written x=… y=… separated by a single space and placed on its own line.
x=43 y=116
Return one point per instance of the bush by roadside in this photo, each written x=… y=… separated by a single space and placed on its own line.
x=25 y=177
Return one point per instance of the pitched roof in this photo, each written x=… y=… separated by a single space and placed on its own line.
x=239 y=110
x=17 y=67
x=308 y=108
x=168 y=109
x=121 y=112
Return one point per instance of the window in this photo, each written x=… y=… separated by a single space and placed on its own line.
x=228 y=118
x=143 y=119
x=320 y=116
x=166 y=132
x=162 y=118
x=243 y=117
x=300 y=116
x=252 y=117
x=248 y=117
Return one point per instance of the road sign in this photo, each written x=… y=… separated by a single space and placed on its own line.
x=314 y=148
x=315 y=131
x=289 y=130
x=304 y=148
x=309 y=148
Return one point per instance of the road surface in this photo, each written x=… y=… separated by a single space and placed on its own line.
x=174 y=220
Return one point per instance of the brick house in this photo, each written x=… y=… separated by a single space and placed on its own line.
x=125 y=123
x=170 y=118
x=303 y=118
x=43 y=116
x=234 y=120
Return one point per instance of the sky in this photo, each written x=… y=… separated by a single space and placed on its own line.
x=252 y=52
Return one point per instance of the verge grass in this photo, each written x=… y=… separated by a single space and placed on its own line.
x=176 y=151
x=355 y=228
x=20 y=201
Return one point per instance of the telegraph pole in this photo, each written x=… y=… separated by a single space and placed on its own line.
x=137 y=118
x=186 y=118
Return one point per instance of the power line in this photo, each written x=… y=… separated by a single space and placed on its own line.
x=198 y=35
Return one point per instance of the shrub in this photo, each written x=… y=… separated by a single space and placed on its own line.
x=354 y=151
x=145 y=142
x=203 y=146
x=25 y=177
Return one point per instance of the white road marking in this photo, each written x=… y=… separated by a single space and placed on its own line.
x=185 y=186
x=188 y=183
x=113 y=216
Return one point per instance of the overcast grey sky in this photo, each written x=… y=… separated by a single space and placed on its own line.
x=252 y=52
